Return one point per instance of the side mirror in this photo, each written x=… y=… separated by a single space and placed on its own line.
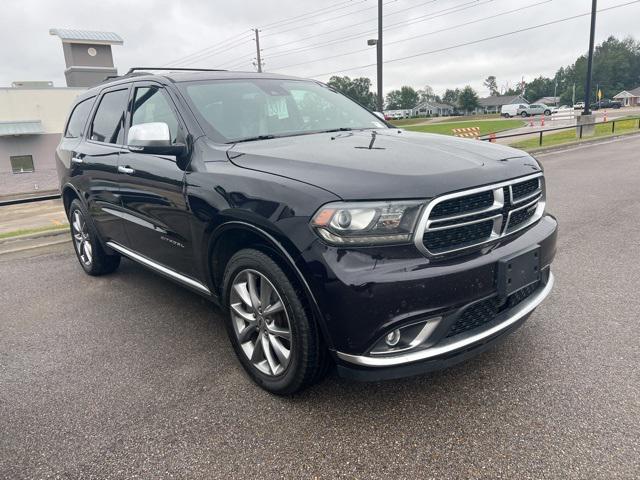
x=154 y=138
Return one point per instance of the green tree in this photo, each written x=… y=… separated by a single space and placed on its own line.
x=468 y=99
x=492 y=85
x=451 y=96
x=427 y=94
x=358 y=89
x=404 y=99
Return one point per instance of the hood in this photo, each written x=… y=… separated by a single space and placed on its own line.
x=399 y=164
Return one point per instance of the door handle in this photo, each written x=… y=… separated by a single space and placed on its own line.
x=76 y=159
x=127 y=170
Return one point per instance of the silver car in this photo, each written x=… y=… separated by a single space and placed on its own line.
x=534 y=109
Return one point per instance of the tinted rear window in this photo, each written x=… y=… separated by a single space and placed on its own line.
x=78 y=118
x=108 y=123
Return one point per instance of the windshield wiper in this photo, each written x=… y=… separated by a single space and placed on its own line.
x=341 y=129
x=253 y=139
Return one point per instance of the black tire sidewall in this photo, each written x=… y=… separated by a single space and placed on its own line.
x=293 y=377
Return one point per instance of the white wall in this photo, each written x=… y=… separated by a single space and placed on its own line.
x=49 y=105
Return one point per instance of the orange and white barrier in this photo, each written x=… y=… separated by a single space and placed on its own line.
x=467 y=132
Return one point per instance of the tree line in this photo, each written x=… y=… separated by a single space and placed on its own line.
x=616 y=67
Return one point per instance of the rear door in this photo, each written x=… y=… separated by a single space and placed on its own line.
x=152 y=187
x=95 y=159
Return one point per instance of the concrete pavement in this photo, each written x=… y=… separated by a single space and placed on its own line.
x=131 y=376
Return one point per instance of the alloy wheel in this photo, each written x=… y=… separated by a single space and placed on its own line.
x=260 y=322
x=81 y=238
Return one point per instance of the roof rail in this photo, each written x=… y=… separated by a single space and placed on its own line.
x=177 y=69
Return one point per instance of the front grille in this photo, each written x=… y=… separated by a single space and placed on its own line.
x=462 y=221
x=457 y=237
x=524 y=189
x=485 y=311
x=465 y=204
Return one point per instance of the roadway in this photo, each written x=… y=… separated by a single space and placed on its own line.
x=130 y=375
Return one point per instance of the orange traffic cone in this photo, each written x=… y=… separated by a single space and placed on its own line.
x=531 y=122
x=492 y=138
x=542 y=120
x=605 y=115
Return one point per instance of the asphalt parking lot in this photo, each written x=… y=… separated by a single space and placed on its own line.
x=131 y=376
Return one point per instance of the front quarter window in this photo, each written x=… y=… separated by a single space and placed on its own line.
x=233 y=110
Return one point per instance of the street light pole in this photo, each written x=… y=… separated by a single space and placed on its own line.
x=379 y=59
x=258 y=55
x=587 y=93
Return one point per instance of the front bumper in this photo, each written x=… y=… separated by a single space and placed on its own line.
x=365 y=293
x=445 y=353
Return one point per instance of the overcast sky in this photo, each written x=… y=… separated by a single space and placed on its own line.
x=157 y=32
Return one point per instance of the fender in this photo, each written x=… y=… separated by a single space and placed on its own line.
x=286 y=256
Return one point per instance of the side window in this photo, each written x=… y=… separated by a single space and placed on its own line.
x=78 y=119
x=152 y=105
x=108 y=121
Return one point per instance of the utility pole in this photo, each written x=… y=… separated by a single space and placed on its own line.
x=587 y=92
x=258 y=57
x=379 y=60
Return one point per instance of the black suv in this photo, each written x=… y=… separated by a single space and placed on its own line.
x=326 y=234
x=606 y=103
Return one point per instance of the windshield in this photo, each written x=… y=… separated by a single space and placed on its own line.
x=254 y=109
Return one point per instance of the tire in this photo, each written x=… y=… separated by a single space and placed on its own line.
x=547 y=112
x=524 y=114
x=89 y=251
x=507 y=115
x=252 y=279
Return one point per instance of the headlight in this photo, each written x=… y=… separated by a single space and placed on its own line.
x=373 y=223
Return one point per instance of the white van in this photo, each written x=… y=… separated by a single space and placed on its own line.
x=512 y=110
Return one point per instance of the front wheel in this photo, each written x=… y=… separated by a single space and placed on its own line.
x=276 y=340
x=524 y=114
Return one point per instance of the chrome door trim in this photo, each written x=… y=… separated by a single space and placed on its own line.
x=518 y=312
x=158 y=267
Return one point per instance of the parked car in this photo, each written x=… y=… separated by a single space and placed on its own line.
x=324 y=234
x=512 y=110
x=578 y=106
x=534 y=109
x=606 y=103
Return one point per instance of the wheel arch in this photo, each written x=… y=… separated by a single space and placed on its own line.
x=235 y=235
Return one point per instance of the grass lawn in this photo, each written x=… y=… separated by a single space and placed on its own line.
x=569 y=136
x=28 y=231
x=412 y=121
x=486 y=126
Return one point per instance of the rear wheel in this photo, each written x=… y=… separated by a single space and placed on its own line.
x=547 y=112
x=276 y=340
x=524 y=114
x=92 y=257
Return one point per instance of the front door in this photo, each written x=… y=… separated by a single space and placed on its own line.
x=95 y=161
x=152 y=186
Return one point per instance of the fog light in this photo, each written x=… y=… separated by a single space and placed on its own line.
x=392 y=338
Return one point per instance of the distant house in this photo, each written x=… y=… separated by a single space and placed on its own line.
x=548 y=100
x=432 y=108
x=629 y=97
x=495 y=103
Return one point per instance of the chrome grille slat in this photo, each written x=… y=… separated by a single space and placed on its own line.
x=504 y=204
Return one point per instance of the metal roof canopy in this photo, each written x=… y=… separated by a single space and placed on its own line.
x=23 y=127
x=87 y=36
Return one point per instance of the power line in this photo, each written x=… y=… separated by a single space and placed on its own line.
x=324 y=9
x=341 y=16
x=473 y=42
x=422 y=18
x=453 y=27
x=215 y=46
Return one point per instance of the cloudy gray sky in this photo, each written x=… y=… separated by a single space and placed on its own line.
x=314 y=38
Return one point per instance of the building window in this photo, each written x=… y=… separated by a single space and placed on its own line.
x=22 y=164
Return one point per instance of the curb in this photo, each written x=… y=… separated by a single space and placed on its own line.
x=21 y=247
x=34 y=236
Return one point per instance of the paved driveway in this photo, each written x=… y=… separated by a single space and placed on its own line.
x=131 y=376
